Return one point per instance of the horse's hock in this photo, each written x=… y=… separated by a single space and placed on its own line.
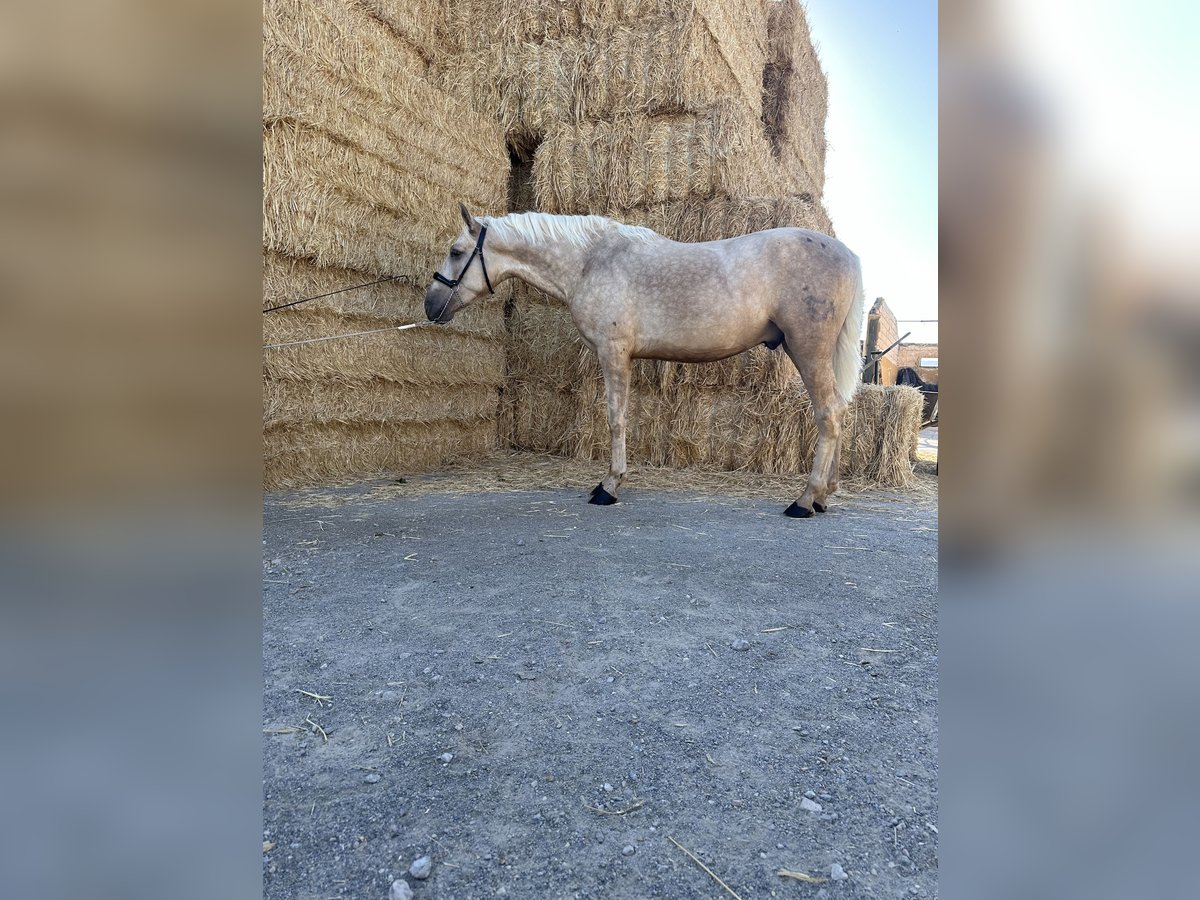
x=380 y=116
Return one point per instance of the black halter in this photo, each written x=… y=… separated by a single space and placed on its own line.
x=478 y=251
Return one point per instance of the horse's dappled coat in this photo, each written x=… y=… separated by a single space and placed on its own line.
x=635 y=294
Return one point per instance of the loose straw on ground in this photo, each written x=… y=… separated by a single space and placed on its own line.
x=635 y=805
x=696 y=860
x=800 y=876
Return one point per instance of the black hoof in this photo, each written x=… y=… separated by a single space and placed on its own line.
x=819 y=507
x=796 y=511
x=601 y=497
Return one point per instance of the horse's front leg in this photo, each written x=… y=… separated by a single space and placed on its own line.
x=616 y=388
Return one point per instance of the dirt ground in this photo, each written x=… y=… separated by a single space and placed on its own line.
x=577 y=664
x=927 y=444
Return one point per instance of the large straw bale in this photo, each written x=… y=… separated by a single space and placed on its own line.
x=545 y=345
x=740 y=26
x=795 y=94
x=305 y=218
x=287 y=402
x=364 y=162
x=422 y=25
x=311 y=454
x=421 y=356
x=638 y=161
x=344 y=219
x=414 y=124
x=390 y=184
x=341 y=37
x=657 y=69
x=510 y=25
x=384 y=134
x=670 y=59
x=318 y=57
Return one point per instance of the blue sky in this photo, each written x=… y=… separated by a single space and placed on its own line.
x=881 y=168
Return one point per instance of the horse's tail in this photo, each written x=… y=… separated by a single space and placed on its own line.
x=847 y=360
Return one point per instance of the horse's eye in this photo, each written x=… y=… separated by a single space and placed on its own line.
x=455 y=253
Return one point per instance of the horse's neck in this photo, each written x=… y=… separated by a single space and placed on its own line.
x=553 y=267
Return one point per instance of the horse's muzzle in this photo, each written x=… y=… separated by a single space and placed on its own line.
x=440 y=304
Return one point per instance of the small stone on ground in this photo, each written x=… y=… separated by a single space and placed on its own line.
x=837 y=873
x=421 y=868
x=400 y=890
x=810 y=805
x=740 y=644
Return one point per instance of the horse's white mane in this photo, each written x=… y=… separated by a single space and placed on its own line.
x=579 y=230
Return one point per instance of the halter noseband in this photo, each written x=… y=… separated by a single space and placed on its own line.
x=478 y=251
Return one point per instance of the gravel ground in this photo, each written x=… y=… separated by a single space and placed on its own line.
x=540 y=695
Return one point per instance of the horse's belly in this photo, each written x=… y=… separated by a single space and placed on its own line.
x=687 y=345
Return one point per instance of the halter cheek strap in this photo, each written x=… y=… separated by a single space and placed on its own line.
x=478 y=251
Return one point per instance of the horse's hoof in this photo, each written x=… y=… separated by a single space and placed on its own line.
x=819 y=507
x=796 y=511
x=601 y=497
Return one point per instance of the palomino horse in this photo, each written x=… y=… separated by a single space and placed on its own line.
x=635 y=294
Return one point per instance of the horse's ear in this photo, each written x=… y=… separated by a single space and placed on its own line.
x=468 y=219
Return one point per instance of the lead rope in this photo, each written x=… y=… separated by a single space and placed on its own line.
x=478 y=251
x=341 y=291
x=334 y=337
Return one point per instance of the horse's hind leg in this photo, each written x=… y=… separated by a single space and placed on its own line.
x=827 y=410
x=616 y=388
x=835 y=467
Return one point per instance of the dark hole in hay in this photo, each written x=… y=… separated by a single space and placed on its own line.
x=522 y=147
x=521 y=198
x=775 y=103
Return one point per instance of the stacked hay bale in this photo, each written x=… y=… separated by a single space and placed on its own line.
x=702 y=119
x=679 y=115
x=364 y=162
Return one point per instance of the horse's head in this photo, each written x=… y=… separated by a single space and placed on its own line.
x=463 y=275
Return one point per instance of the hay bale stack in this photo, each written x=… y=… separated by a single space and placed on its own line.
x=717 y=428
x=795 y=95
x=600 y=68
x=652 y=112
x=637 y=161
x=380 y=115
x=364 y=162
